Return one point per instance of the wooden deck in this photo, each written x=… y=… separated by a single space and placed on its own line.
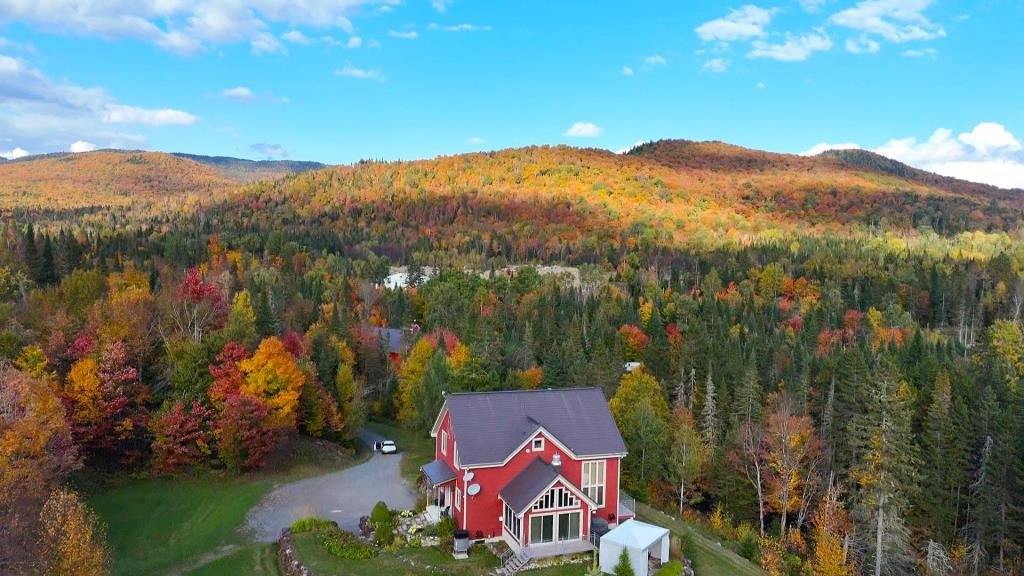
x=537 y=551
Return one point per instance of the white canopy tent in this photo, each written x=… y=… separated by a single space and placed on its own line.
x=640 y=540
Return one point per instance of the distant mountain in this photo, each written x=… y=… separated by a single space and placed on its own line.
x=243 y=170
x=65 y=181
x=61 y=182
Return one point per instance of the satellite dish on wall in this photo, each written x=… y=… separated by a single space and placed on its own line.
x=468 y=476
x=473 y=489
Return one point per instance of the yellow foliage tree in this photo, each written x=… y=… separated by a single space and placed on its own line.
x=72 y=540
x=411 y=377
x=273 y=376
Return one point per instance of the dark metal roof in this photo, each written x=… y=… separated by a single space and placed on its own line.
x=438 y=472
x=528 y=484
x=488 y=426
x=393 y=340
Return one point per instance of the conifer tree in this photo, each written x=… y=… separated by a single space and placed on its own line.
x=885 y=474
x=709 y=416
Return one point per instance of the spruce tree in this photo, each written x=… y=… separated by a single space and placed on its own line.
x=709 y=416
x=885 y=474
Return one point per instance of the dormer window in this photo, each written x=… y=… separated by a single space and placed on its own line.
x=538 y=444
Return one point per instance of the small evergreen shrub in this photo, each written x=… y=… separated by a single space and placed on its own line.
x=446 y=533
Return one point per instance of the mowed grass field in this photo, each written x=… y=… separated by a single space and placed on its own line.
x=192 y=524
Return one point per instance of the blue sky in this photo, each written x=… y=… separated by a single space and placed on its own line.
x=936 y=84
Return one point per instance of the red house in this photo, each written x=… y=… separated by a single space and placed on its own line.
x=537 y=468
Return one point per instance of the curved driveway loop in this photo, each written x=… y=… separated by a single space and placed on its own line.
x=342 y=496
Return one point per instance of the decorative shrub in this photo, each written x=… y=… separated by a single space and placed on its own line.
x=343 y=544
x=446 y=533
x=311 y=523
x=383 y=522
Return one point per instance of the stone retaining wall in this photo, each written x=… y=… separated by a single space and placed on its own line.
x=287 y=560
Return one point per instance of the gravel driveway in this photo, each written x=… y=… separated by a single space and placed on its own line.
x=342 y=496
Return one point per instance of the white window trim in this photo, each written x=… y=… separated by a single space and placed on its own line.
x=587 y=480
x=534 y=444
x=444 y=442
x=458 y=499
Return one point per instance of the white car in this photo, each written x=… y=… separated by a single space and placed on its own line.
x=387 y=447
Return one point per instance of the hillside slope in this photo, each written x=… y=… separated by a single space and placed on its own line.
x=841 y=186
x=60 y=182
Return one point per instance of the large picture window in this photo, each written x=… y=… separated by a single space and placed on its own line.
x=594 y=480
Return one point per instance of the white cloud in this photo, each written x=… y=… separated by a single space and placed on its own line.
x=296 y=37
x=440 y=5
x=740 y=24
x=120 y=114
x=476 y=141
x=409 y=35
x=862 y=45
x=79 y=146
x=184 y=26
x=893 y=20
x=584 y=130
x=14 y=154
x=655 y=60
x=627 y=71
x=717 y=65
x=824 y=147
x=760 y=85
x=238 y=93
x=43 y=115
x=794 y=49
x=350 y=71
x=921 y=53
x=813 y=5
x=989 y=137
x=459 y=28
x=354 y=42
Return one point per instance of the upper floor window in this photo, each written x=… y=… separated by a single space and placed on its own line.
x=444 y=442
x=593 y=480
x=538 y=444
x=557 y=497
x=458 y=499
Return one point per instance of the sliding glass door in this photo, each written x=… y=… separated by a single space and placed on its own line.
x=545 y=528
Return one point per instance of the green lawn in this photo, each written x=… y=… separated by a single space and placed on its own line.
x=412 y=561
x=256 y=560
x=169 y=524
x=709 y=557
x=416 y=448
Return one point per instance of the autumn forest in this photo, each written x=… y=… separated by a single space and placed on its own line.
x=829 y=350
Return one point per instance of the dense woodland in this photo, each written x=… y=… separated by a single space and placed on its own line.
x=831 y=359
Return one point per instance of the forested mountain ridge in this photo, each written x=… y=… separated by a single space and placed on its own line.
x=107 y=178
x=538 y=203
x=104 y=178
